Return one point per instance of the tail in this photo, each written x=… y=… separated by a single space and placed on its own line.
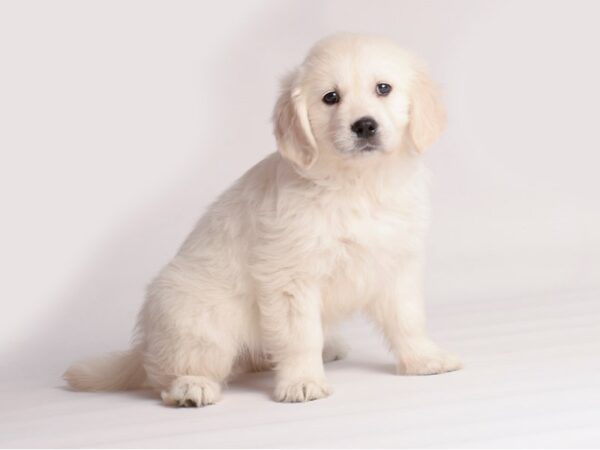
x=118 y=371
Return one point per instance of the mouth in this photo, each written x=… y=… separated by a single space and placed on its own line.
x=355 y=147
x=367 y=146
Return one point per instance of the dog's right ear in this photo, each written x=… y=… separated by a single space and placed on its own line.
x=295 y=140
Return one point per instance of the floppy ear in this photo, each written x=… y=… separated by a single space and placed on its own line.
x=427 y=115
x=295 y=140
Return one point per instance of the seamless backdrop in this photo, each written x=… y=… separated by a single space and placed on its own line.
x=120 y=121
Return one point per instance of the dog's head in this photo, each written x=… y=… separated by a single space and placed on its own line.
x=356 y=97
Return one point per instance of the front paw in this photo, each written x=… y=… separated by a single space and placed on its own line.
x=302 y=390
x=429 y=363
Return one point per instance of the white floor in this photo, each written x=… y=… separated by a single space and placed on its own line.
x=531 y=380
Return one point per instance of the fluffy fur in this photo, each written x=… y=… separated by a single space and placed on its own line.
x=310 y=235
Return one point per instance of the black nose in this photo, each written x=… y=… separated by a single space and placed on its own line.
x=364 y=127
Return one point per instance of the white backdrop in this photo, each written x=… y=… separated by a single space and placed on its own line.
x=121 y=121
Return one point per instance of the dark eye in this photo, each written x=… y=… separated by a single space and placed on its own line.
x=331 y=98
x=383 y=89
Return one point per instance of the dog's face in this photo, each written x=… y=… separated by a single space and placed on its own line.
x=356 y=97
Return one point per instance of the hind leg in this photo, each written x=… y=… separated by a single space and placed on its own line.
x=197 y=382
x=191 y=341
x=191 y=390
x=190 y=375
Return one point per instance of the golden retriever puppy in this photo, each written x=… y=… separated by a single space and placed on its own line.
x=331 y=224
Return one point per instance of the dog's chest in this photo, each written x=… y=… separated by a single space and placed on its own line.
x=367 y=243
x=374 y=227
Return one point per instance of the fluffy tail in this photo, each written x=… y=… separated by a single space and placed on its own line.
x=118 y=371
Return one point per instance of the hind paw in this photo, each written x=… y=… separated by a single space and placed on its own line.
x=191 y=391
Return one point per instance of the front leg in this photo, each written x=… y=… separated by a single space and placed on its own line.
x=400 y=312
x=293 y=336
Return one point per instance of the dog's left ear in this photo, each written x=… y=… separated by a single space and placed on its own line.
x=295 y=140
x=427 y=115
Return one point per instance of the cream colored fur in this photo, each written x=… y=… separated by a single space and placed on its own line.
x=307 y=237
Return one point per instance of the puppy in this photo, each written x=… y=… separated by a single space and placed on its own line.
x=331 y=224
